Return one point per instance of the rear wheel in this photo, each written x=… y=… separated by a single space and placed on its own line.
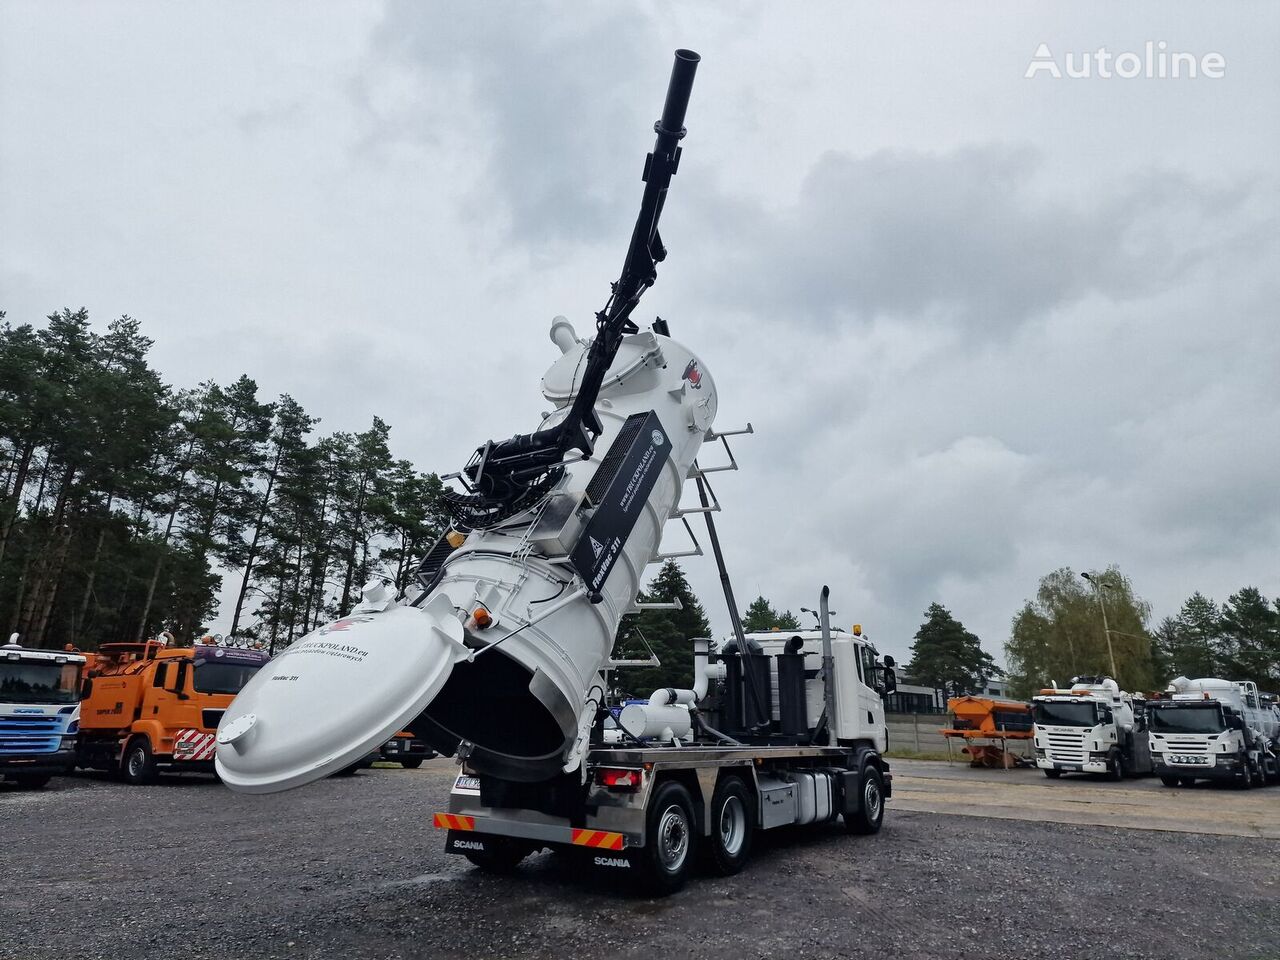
x=500 y=854
x=1169 y=781
x=412 y=764
x=139 y=764
x=870 y=813
x=662 y=864
x=1053 y=774
x=732 y=826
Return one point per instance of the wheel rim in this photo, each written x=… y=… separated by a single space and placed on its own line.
x=733 y=826
x=136 y=763
x=673 y=838
x=871 y=799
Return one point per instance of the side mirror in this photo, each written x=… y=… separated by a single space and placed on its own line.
x=889 y=661
x=86 y=688
x=890 y=678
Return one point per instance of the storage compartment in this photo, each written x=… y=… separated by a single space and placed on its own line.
x=777 y=803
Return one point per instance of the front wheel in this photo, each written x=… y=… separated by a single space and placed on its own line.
x=1053 y=774
x=412 y=764
x=32 y=781
x=1247 y=780
x=1169 y=781
x=139 y=764
x=732 y=826
x=870 y=813
x=662 y=864
x=1116 y=769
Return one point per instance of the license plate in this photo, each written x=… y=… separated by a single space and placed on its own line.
x=1070 y=767
x=467 y=784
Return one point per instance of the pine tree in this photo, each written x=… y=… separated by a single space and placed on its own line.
x=667 y=632
x=948 y=657
x=760 y=616
x=1250 y=638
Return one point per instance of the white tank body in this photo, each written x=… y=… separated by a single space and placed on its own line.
x=519 y=705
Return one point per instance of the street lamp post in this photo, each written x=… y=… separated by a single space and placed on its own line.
x=1098 y=585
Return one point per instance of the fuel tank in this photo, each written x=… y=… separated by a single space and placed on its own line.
x=502 y=657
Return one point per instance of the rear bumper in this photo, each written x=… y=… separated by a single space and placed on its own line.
x=458 y=824
x=398 y=749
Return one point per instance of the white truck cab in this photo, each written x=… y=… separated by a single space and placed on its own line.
x=1214 y=729
x=1091 y=727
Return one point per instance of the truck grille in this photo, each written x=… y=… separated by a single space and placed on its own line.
x=29 y=734
x=1180 y=745
x=209 y=719
x=1068 y=747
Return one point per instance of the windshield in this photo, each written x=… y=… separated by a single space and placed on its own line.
x=222 y=677
x=1078 y=714
x=39 y=682
x=1207 y=719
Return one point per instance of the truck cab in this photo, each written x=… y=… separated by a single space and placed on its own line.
x=1092 y=727
x=149 y=707
x=1213 y=729
x=39 y=713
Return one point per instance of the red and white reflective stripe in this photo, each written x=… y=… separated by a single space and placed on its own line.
x=597 y=838
x=454 y=821
x=193 y=745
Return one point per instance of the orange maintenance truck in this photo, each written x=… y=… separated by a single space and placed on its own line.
x=149 y=707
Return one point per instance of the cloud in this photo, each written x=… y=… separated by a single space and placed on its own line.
x=554 y=97
x=973 y=236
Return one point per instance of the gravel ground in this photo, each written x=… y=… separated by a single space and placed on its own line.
x=350 y=868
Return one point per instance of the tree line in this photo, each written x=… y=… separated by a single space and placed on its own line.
x=1094 y=624
x=126 y=501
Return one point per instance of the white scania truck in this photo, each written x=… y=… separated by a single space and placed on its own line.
x=503 y=653
x=1091 y=727
x=1212 y=729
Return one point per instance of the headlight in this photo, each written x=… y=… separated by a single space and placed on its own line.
x=73 y=728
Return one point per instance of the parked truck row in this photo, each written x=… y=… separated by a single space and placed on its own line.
x=1206 y=729
x=131 y=709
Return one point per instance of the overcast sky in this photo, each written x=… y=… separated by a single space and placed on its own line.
x=984 y=325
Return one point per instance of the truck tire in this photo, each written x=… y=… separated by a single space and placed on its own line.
x=1247 y=780
x=1115 y=770
x=412 y=764
x=1053 y=774
x=500 y=854
x=32 y=781
x=1169 y=781
x=870 y=813
x=138 y=765
x=733 y=819
x=662 y=865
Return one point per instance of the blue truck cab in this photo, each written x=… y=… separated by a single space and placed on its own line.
x=39 y=713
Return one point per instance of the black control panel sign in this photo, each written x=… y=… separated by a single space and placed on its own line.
x=619 y=491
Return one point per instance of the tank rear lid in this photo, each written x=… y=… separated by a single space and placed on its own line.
x=336 y=695
x=638 y=351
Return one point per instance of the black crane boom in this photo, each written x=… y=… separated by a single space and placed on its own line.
x=506 y=476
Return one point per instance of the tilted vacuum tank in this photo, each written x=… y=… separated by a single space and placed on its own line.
x=501 y=654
